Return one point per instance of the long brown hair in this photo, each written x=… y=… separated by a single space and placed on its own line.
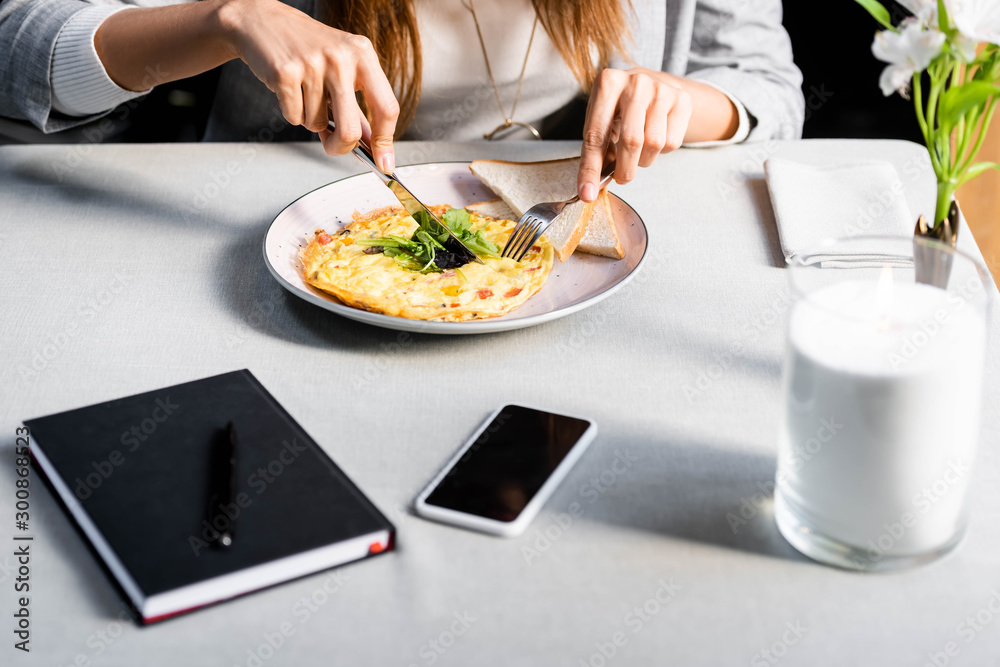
x=579 y=29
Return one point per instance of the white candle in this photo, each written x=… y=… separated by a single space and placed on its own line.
x=883 y=389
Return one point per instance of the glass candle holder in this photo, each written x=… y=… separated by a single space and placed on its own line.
x=883 y=395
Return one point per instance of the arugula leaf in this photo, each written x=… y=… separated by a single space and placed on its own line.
x=480 y=245
x=458 y=220
x=418 y=253
x=414 y=254
x=430 y=226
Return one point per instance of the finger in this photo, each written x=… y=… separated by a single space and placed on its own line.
x=632 y=106
x=609 y=154
x=347 y=117
x=596 y=128
x=383 y=106
x=315 y=109
x=290 y=103
x=656 y=126
x=366 y=130
x=677 y=122
x=288 y=88
x=616 y=132
x=325 y=135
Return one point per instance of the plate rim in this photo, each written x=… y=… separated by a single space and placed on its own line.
x=488 y=325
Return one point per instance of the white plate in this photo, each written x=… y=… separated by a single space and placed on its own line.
x=573 y=285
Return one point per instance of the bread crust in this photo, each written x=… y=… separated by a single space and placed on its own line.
x=565 y=251
x=618 y=251
x=521 y=164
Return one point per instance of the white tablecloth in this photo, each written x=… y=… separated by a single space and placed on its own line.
x=128 y=268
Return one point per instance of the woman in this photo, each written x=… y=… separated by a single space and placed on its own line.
x=658 y=73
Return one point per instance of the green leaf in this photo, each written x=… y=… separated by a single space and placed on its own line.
x=880 y=13
x=977 y=169
x=943 y=23
x=480 y=245
x=457 y=219
x=957 y=101
x=418 y=252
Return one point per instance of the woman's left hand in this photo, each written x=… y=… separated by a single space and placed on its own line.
x=638 y=111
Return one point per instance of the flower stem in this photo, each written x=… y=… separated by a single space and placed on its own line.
x=945 y=193
x=918 y=103
x=984 y=126
x=934 y=143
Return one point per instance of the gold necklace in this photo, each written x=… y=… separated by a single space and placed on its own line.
x=508 y=118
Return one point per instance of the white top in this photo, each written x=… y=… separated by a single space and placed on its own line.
x=454 y=69
x=80 y=84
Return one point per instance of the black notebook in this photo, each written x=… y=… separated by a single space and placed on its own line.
x=159 y=482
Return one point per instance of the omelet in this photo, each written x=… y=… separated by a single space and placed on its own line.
x=364 y=278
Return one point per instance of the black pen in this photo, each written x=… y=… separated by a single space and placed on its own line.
x=227 y=490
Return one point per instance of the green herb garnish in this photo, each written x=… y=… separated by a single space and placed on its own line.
x=419 y=252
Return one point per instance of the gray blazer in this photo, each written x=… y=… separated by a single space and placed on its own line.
x=739 y=45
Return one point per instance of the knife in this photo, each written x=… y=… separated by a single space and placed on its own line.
x=409 y=201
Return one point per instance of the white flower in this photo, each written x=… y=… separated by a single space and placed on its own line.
x=924 y=10
x=908 y=51
x=917 y=6
x=967 y=13
x=978 y=20
x=966 y=46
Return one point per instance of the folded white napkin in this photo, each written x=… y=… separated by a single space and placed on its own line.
x=814 y=204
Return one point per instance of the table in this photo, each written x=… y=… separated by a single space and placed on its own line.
x=127 y=268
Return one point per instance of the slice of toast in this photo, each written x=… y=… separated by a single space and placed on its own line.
x=495 y=208
x=601 y=237
x=523 y=184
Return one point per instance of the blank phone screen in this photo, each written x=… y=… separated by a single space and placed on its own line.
x=508 y=463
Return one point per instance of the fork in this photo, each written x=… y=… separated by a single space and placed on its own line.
x=540 y=217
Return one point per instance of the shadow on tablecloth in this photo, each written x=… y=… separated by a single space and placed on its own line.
x=682 y=488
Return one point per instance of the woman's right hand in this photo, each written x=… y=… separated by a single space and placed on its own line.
x=315 y=70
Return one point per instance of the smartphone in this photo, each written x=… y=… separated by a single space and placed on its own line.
x=499 y=479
